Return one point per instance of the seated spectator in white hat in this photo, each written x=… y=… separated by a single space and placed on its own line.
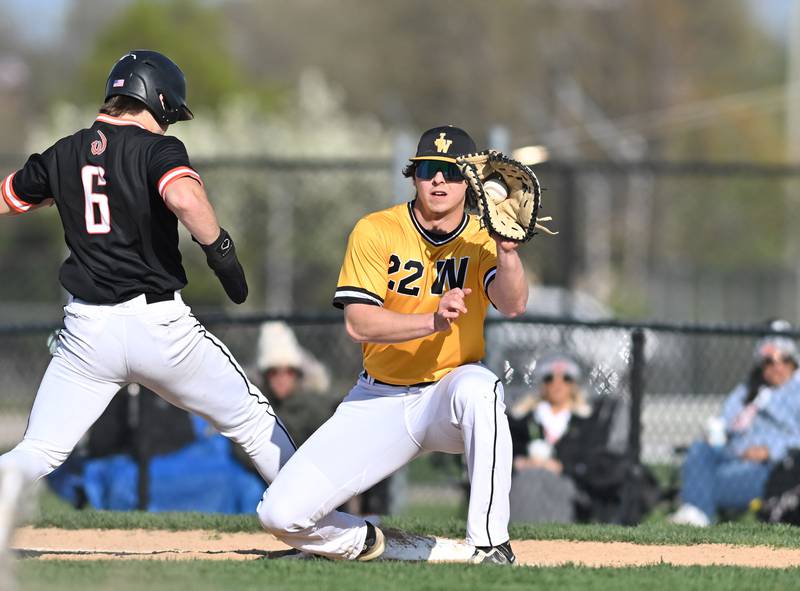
x=293 y=380
x=549 y=412
x=570 y=459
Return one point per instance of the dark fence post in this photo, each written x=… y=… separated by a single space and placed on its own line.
x=138 y=424
x=637 y=393
x=633 y=507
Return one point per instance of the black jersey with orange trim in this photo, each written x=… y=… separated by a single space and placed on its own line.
x=107 y=182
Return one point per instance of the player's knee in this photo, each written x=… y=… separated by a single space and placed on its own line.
x=279 y=516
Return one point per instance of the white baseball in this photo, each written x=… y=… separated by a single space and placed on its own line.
x=496 y=190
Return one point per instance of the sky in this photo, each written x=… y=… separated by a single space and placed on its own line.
x=45 y=28
x=774 y=14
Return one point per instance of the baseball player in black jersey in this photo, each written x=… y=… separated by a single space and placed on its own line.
x=121 y=187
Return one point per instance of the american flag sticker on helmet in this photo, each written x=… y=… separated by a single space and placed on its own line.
x=118 y=83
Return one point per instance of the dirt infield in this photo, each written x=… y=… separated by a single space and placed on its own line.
x=50 y=543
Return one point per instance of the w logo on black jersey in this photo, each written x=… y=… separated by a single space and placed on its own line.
x=447 y=272
x=99 y=146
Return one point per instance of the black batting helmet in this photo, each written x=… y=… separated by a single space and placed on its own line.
x=144 y=75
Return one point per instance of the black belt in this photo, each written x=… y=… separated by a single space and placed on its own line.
x=154 y=298
x=379 y=382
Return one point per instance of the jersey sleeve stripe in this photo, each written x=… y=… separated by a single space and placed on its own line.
x=10 y=197
x=174 y=175
x=488 y=278
x=355 y=295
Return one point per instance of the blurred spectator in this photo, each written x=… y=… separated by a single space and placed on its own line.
x=569 y=456
x=760 y=423
x=547 y=415
x=293 y=380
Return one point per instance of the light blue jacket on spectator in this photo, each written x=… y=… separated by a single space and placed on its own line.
x=776 y=425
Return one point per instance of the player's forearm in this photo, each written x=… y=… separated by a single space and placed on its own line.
x=373 y=324
x=509 y=290
x=201 y=224
x=188 y=201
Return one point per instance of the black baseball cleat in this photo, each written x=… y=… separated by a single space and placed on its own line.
x=374 y=544
x=502 y=554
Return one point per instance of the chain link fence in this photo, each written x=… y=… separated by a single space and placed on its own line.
x=684 y=374
x=684 y=242
x=687 y=371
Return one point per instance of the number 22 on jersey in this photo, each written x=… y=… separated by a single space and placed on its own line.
x=449 y=275
x=95 y=203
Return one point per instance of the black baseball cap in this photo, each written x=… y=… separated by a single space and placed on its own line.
x=445 y=143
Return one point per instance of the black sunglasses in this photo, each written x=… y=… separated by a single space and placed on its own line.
x=771 y=360
x=427 y=169
x=550 y=377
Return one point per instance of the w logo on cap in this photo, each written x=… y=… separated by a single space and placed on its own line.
x=442 y=145
x=444 y=142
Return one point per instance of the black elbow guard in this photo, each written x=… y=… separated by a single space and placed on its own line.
x=221 y=257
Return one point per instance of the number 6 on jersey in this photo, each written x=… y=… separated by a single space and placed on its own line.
x=91 y=198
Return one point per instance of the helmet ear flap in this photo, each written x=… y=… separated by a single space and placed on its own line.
x=168 y=111
x=174 y=108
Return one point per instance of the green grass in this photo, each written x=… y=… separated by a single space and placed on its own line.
x=261 y=575
x=434 y=512
x=54 y=512
x=738 y=534
x=433 y=520
x=436 y=468
x=430 y=518
x=426 y=518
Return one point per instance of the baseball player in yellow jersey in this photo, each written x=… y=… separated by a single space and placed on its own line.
x=415 y=285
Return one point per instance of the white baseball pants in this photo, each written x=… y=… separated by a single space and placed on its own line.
x=161 y=346
x=376 y=430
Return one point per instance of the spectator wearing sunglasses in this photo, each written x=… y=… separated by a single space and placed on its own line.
x=760 y=423
x=540 y=492
x=547 y=414
x=570 y=455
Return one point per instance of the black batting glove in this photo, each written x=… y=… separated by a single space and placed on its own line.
x=221 y=257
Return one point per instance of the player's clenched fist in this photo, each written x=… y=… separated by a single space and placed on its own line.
x=451 y=306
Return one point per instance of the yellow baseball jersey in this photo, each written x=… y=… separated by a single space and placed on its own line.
x=392 y=261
